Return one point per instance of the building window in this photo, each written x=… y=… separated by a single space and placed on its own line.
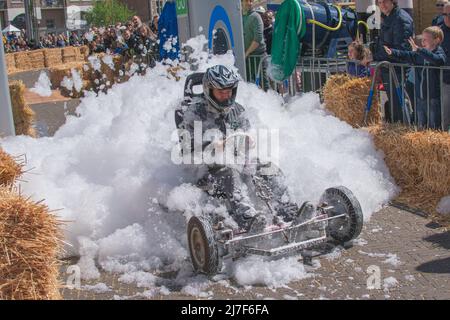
x=50 y=23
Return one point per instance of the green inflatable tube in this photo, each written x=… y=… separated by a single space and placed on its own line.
x=289 y=30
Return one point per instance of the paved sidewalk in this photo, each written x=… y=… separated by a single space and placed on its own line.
x=411 y=252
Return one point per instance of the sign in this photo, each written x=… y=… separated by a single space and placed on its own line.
x=182 y=8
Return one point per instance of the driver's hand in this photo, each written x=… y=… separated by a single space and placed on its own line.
x=251 y=142
x=219 y=144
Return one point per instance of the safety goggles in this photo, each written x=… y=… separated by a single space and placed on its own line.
x=439 y=5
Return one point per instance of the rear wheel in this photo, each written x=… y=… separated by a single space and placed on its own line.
x=348 y=227
x=202 y=246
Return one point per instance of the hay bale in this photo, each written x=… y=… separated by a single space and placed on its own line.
x=58 y=73
x=37 y=59
x=53 y=57
x=24 y=116
x=30 y=239
x=418 y=161
x=88 y=72
x=346 y=97
x=11 y=62
x=23 y=61
x=69 y=54
x=10 y=169
x=172 y=72
x=69 y=59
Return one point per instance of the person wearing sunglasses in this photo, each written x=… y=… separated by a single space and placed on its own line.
x=439 y=18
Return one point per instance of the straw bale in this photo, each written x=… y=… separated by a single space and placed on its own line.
x=36 y=58
x=68 y=59
x=173 y=72
x=23 y=61
x=58 y=73
x=346 y=97
x=419 y=161
x=69 y=52
x=10 y=62
x=53 y=57
x=30 y=239
x=108 y=72
x=10 y=169
x=24 y=116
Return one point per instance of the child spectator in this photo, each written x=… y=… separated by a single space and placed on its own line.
x=427 y=81
x=362 y=56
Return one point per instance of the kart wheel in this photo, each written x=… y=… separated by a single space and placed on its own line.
x=203 y=246
x=343 y=201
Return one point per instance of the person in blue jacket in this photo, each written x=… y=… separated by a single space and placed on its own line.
x=446 y=43
x=396 y=28
x=438 y=20
x=446 y=86
x=427 y=81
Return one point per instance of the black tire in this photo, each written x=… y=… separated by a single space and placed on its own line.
x=202 y=246
x=349 y=227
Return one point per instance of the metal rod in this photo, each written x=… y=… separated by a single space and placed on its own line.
x=428 y=99
x=6 y=115
x=391 y=96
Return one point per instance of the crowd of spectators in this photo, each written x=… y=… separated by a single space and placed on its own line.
x=428 y=89
x=133 y=38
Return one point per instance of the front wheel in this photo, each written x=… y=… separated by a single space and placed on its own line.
x=203 y=246
x=348 y=227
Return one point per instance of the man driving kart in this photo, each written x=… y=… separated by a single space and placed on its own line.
x=217 y=109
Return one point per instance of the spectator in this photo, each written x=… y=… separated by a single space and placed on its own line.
x=143 y=41
x=361 y=55
x=396 y=28
x=109 y=39
x=129 y=26
x=268 y=21
x=60 y=43
x=73 y=40
x=446 y=85
x=137 y=23
x=427 y=82
x=154 y=24
x=131 y=42
x=254 y=44
x=40 y=44
x=439 y=18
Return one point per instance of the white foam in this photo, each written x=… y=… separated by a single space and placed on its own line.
x=97 y=288
x=256 y=271
x=43 y=86
x=444 y=206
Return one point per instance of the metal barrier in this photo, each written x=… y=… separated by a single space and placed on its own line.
x=256 y=69
x=437 y=111
x=403 y=100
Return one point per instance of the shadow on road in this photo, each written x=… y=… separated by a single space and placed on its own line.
x=435 y=266
x=440 y=239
